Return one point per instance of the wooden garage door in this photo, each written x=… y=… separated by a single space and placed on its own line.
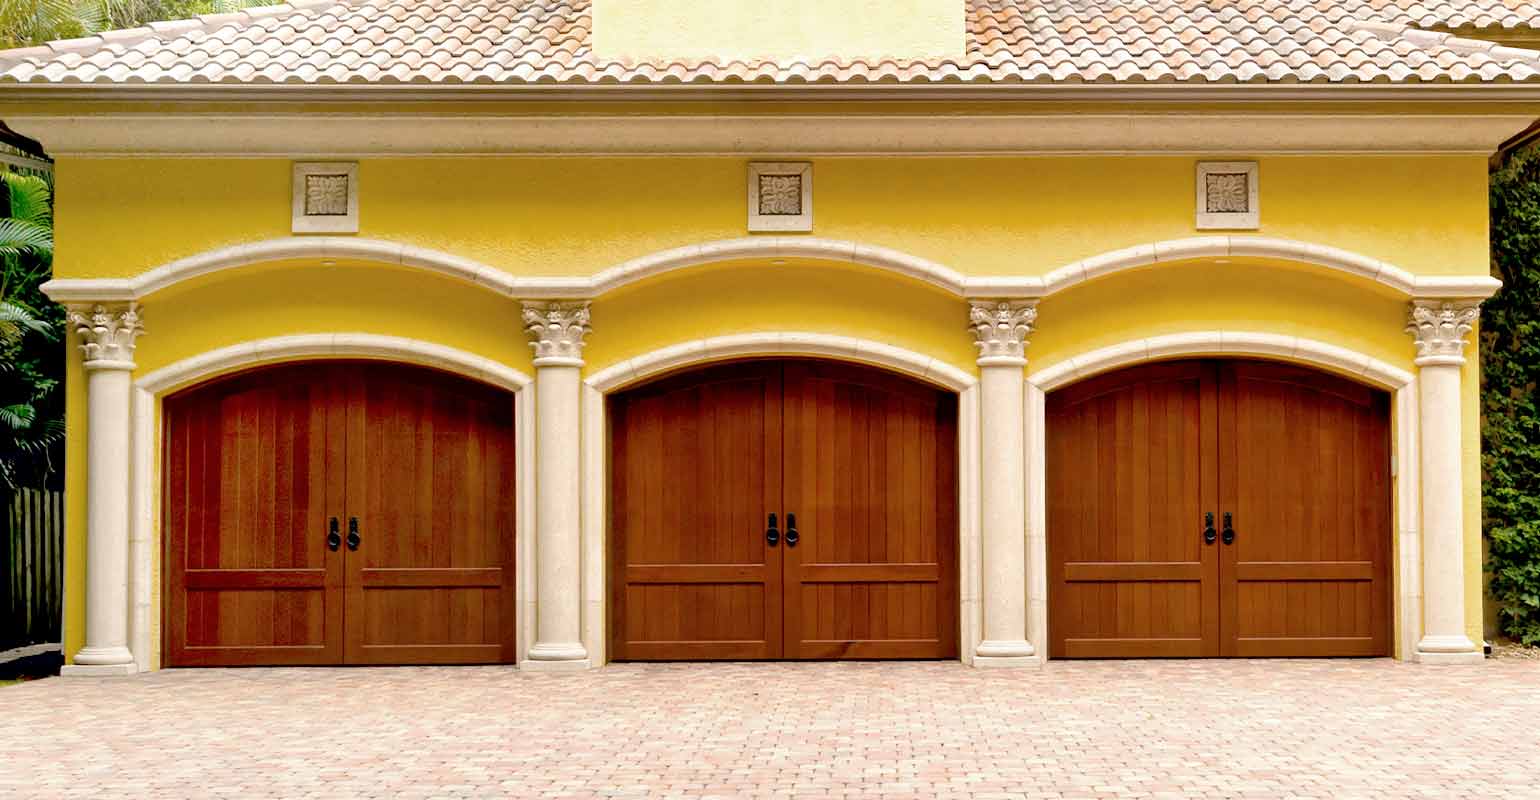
x=1218 y=508
x=330 y=513
x=854 y=468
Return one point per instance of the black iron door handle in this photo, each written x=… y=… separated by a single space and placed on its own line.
x=1229 y=533
x=791 y=530
x=1209 y=535
x=353 y=537
x=333 y=538
x=772 y=534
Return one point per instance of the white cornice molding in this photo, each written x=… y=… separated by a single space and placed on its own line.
x=789 y=343
x=351 y=134
x=94 y=290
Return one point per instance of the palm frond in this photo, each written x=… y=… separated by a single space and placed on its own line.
x=18 y=417
x=16 y=314
x=18 y=236
x=29 y=198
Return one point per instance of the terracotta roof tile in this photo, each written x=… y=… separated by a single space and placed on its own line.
x=1008 y=41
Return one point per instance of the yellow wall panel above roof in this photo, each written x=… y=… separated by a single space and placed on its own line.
x=792 y=30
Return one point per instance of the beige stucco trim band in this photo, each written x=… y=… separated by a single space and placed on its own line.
x=272 y=133
x=1407 y=567
x=665 y=261
x=145 y=480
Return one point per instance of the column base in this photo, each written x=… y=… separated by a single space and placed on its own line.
x=97 y=670
x=104 y=656
x=1456 y=649
x=1008 y=662
x=574 y=665
x=998 y=653
x=556 y=657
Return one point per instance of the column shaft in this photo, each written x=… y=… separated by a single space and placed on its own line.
x=558 y=330
x=557 y=514
x=1440 y=328
x=1001 y=328
x=108 y=344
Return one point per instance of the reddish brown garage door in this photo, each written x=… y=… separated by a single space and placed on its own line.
x=1218 y=508
x=784 y=510
x=329 y=513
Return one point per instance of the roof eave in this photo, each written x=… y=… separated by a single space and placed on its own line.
x=1451 y=91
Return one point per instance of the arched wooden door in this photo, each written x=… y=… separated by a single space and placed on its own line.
x=1203 y=508
x=339 y=512
x=854 y=471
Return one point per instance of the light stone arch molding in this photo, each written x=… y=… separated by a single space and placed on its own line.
x=149 y=389
x=943 y=277
x=622 y=375
x=1407 y=568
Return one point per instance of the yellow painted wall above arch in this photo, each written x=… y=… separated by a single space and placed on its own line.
x=577 y=216
x=1181 y=298
x=745 y=297
x=280 y=299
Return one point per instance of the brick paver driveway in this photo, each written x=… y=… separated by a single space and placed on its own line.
x=1249 y=729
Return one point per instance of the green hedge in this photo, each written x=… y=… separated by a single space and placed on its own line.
x=1510 y=373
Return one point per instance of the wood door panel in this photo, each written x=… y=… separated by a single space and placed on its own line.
x=1306 y=474
x=871 y=479
x=430 y=481
x=1298 y=461
x=251 y=466
x=1130 y=475
x=258 y=464
x=696 y=470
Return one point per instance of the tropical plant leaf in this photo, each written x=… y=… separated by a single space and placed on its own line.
x=19 y=236
x=18 y=417
x=29 y=198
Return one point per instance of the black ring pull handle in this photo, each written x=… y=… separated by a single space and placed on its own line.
x=1209 y=534
x=772 y=534
x=333 y=538
x=353 y=537
x=1229 y=533
x=791 y=530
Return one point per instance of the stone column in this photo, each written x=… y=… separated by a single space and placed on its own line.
x=1440 y=327
x=558 y=329
x=107 y=338
x=1001 y=328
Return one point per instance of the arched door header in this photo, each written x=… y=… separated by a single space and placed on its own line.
x=882 y=258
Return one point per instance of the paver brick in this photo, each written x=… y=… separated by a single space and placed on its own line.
x=1161 y=729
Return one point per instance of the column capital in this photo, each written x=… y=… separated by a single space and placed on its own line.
x=558 y=328
x=1440 y=327
x=1000 y=329
x=107 y=332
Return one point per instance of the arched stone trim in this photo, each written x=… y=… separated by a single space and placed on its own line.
x=331 y=345
x=717 y=348
x=1229 y=343
x=655 y=264
x=595 y=456
x=1407 y=569
x=146 y=477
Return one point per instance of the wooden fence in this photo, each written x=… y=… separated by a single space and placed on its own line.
x=31 y=566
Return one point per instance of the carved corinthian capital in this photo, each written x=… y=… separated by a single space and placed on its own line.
x=107 y=333
x=558 y=329
x=1000 y=328
x=1439 y=327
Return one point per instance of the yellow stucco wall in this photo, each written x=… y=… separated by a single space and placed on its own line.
x=555 y=216
x=120 y=217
